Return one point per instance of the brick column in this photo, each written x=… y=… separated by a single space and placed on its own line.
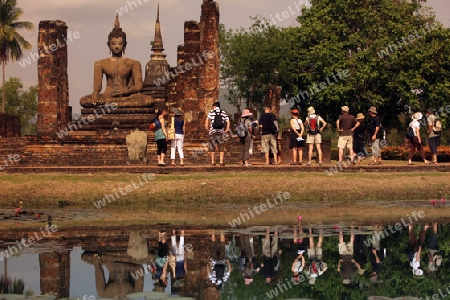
x=53 y=97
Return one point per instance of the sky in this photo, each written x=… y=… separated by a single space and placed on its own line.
x=90 y=22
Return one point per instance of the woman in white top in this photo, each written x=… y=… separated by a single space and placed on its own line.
x=296 y=140
x=416 y=141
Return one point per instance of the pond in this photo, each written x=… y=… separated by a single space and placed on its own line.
x=334 y=261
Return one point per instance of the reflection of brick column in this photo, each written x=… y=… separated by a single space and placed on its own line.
x=53 y=99
x=210 y=69
x=55 y=273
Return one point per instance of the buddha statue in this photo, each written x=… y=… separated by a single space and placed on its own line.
x=123 y=77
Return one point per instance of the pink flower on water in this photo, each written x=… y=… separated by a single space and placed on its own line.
x=335 y=227
x=443 y=200
x=433 y=202
x=299 y=218
x=299 y=241
x=18 y=210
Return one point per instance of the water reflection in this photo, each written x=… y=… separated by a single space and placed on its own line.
x=314 y=261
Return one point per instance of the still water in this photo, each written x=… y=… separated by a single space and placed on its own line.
x=307 y=261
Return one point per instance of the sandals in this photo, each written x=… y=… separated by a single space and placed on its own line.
x=372 y=163
x=294 y=163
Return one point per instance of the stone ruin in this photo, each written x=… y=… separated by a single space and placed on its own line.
x=99 y=136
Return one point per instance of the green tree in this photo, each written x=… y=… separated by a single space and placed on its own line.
x=394 y=53
x=22 y=103
x=11 y=42
x=251 y=60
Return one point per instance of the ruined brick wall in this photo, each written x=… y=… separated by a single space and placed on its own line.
x=55 y=273
x=184 y=88
x=53 y=98
x=9 y=126
x=210 y=69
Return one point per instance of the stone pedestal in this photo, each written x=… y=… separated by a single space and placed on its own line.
x=137 y=147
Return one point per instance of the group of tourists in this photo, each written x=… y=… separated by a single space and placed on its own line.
x=352 y=131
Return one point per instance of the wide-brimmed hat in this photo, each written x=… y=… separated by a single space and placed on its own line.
x=248 y=280
x=361 y=271
x=246 y=113
x=312 y=280
x=311 y=110
x=373 y=109
x=359 y=116
x=345 y=108
x=417 y=116
x=294 y=111
x=346 y=281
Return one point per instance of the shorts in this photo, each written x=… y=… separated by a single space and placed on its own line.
x=315 y=253
x=433 y=142
x=218 y=251
x=293 y=143
x=376 y=148
x=345 y=141
x=314 y=138
x=358 y=147
x=269 y=143
x=216 y=139
x=345 y=249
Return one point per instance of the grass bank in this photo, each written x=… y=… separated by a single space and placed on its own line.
x=218 y=198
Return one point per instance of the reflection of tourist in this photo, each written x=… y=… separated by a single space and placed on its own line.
x=296 y=138
x=346 y=265
x=297 y=251
x=219 y=267
x=271 y=263
x=162 y=260
x=246 y=261
x=315 y=255
x=416 y=141
x=161 y=136
x=123 y=76
x=177 y=143
x=416 y=249
x=217 y=136
x=179 y=271
x=434 y=253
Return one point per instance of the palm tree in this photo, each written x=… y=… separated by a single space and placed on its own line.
x=11 y=42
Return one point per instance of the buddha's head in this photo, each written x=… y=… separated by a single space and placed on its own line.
x=117 y=39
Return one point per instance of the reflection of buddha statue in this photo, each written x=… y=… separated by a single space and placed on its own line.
x=123 y=77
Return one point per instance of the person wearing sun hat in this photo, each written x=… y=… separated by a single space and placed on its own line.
x=244 y=142
x=345 y=125
x=314 y=136
x=359 y=144
x=375 y=133
x=296 y=137
x=416 y=141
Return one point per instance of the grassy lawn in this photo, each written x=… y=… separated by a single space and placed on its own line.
x=218 y=198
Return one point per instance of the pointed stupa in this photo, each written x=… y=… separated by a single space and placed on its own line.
x=157 y=68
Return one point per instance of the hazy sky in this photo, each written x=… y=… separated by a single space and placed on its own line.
x=93 y=22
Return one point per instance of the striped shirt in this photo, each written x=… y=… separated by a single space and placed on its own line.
x=212 y=276
x=212 y=115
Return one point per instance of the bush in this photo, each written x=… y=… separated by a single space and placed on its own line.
x=401 y=153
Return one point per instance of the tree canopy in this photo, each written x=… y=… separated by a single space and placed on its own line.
x=392 y=54
x=23 y=103
x=11 y=42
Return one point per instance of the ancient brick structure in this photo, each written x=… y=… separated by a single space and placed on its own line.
x=53 y=101
x=9 y=125
x=55 y=273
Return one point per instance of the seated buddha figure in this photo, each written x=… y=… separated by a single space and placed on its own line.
x=123 y=77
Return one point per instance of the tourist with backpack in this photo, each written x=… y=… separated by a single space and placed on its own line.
x=217 y=123
x=315 y=125
x=359 y=145
x=245 y=132
x=376 y=135
x=434 y=131
x=416 y=141
x=269 y=130
x=296 y=138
